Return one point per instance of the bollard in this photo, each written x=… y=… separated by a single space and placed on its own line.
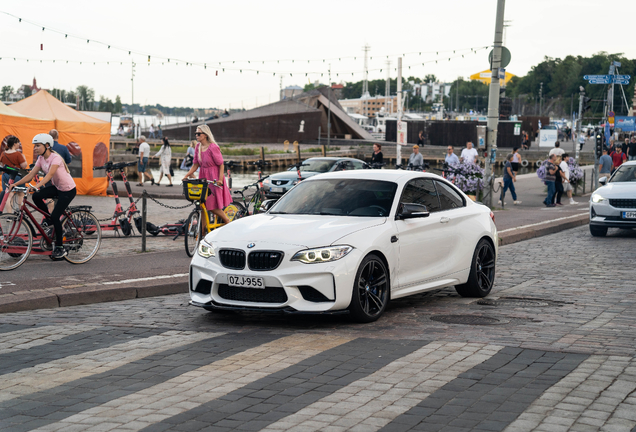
x=263 y=154
x=143 y=222
x=583 y=183
x=324 y=150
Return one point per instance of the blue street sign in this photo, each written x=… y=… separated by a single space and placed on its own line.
x=621 y=82
x=608 y=79
x=622 y=77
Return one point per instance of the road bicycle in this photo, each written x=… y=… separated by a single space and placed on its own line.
x=122 y=219
x=254 y=201
x=199 y=222
x=260 y=164
x=21 y=234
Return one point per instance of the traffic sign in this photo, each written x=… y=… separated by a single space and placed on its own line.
x=621 y=82
x=622 y=77
x=598 y=79
x=505 y=57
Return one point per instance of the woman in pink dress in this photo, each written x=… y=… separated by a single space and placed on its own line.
x=209 y=160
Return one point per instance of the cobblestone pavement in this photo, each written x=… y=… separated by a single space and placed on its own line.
x=551 y=349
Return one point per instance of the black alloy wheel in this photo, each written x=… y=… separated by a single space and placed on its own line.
x=482 y=272
x=370 y=290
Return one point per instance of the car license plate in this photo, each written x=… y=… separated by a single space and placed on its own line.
x=246 y=281
x=629 y=215
x=277 y=190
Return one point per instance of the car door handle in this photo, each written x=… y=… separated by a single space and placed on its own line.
x=444 y=220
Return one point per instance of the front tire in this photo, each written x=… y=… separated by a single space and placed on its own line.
x=598 y=231
x=482 y=272
x=370 y=290
x=241 y=212
x=16 y=242
x=192 y=232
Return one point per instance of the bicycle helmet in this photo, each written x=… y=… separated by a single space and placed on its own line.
x=43 y=138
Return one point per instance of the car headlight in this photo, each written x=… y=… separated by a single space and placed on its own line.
x=266 y=182
x=320 y=255
x=598 y=198
x=205 y=249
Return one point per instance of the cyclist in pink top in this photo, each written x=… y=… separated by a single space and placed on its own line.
x=62 y=188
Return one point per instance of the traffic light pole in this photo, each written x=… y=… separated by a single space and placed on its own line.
x=493 y=105
x=579 y=124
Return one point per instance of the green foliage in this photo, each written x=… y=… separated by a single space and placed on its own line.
x=27 y=91
x=6 y=91
x=86 y=97
x=430 y=78
x=472 y=95
x=105 y=105
x=309 y=87
x=118 y=106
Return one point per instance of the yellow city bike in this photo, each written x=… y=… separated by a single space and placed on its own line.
x=199 y=223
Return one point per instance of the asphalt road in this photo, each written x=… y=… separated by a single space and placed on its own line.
x=552 y=348
x=40 y=272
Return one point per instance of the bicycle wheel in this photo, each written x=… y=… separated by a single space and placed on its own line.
x=241 y=212
x=82 y=236
x=193 y=232
x=232 y=210
x=16 y=242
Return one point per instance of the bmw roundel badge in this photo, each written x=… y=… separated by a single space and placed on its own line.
x=251 y=245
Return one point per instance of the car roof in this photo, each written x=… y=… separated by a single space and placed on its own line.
x=374 y=174
x=331 y=158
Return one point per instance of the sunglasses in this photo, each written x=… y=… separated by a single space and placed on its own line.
x=199 y=133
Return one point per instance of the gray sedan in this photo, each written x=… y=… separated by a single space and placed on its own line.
x=276 y=185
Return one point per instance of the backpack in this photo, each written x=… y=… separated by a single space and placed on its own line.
x=543 y=169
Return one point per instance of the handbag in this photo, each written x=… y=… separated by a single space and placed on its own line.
x=171 y=171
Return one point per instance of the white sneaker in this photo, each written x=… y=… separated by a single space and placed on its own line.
x=499 y=202
x=572 y=202
x=517 y=202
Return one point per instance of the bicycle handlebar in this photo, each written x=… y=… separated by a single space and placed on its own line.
x=298 y=165
x=260 y=163
x=374 y=165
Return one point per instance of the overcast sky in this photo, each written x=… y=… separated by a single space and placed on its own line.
x=209 y=32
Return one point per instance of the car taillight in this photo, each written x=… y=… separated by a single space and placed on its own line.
x=492 y=216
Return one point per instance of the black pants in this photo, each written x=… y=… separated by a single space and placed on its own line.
x=558 y=194
x=63 y=200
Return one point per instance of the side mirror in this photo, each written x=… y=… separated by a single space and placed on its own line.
x=267 y=204
x=603 y=181
x=411 y=211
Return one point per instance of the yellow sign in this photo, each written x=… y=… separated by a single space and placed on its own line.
x=484 y=77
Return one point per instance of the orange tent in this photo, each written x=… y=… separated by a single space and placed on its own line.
x=87 y=138
x=24 y=127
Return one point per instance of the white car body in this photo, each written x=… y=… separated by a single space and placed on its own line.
x=421 y=254
x=614 y=204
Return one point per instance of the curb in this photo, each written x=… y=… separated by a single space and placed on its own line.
x=62 y=297
x=514 y=235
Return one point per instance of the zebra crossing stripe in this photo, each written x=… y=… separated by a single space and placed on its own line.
x=598 y=394
x=36 y=336
x=196 y=387
x=51 y=374
x=372 y=402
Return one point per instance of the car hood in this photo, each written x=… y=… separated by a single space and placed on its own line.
x=298 y=230
x=292 y=175
x=618 y=190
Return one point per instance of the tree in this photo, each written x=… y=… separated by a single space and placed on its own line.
x=430 y=78
x=87 y=97
x=6 y=92
x=27 y=90
x=309 y=87
x=105 y=105
x=118 y=107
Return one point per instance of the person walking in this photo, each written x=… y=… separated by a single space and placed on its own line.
x=165 y=154
x=142 y=164
x=189 y=157
x=605 y=165
x=469 y=154
x=60 y=149
x=516 y=160
x=152 y=131
x=567 y=187
x=207 y=156
x=159 y=131
x=451 y=158
x=509 y=179
x=558 y=182
x=549 y=180
x=618 y=157
x=11 y=158
x=420 y=138
x=556 y=150
x=377 y=156
x=631 y=149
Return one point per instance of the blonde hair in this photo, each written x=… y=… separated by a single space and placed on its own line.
x=206 y=130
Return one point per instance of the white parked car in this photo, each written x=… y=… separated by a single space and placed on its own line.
x=349 y=241
x=613 y=205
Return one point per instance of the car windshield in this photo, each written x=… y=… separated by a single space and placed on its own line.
x=338 y=197
x=624 y=173
x=317 y=165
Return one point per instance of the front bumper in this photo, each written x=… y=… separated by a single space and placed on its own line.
x=292 y=287
x=603 y=214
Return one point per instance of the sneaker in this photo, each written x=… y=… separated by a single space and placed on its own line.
x=59 y=252
x=572 y=202
x=170 y=185
x=517 y=202
x=499 y=202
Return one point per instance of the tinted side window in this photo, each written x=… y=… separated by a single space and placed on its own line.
x=448 y=198
x=421 y=191
x=357 y=165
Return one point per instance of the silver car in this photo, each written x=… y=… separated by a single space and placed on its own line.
x=276 y=185
x=614 y=204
